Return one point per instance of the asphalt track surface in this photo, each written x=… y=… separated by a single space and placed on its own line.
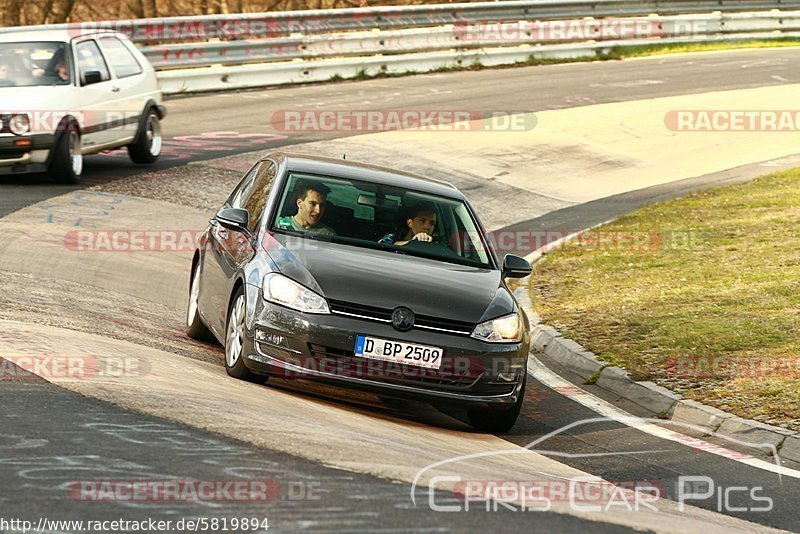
x=79 y=441
x=531 y=89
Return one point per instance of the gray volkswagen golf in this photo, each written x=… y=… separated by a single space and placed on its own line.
x=364 y=276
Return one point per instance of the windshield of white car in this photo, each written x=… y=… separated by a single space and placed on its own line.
x=30 y=64
x=378 y=216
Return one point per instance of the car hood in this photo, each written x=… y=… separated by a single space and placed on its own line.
x=44 y=98
x=384 y=280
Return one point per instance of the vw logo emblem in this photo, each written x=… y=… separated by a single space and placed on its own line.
x=403 y=319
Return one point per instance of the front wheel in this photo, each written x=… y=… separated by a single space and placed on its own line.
x=495 y=421
x=234 y=341
x=66 y=164
x=147 y=146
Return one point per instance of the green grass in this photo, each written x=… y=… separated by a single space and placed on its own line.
x=702 y=295
x=621 y=52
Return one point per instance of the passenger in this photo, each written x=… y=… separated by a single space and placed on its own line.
x=310 y=198
x=419 y=225
x=9 y=67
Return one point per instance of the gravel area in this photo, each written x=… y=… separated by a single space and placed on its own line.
x=196 y=185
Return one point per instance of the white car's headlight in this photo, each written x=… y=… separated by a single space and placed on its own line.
x=19 y=124
x=286 y=292
x=506 y=329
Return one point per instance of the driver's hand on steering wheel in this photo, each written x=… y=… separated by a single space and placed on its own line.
x=422 y=236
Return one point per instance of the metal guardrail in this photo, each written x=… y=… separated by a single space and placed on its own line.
x=234 y=51
x=314 y=47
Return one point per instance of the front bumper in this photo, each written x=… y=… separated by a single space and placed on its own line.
x=320 y=347
x=21 y=159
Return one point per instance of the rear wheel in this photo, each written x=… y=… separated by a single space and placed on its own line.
x=234 y=341
x=66 y=164
x=147 y=146
x=196 y=329
x=495 y=421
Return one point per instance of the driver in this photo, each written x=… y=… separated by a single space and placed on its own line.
x=419 y=225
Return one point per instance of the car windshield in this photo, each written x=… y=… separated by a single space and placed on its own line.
x=34 y=63
x=382 y=217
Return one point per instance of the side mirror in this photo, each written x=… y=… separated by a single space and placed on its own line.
x=92 y=76
x=516 y=267
x=235 y=219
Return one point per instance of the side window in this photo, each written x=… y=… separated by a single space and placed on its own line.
x=235 y=200
x=90 y=59
x=257 y=195
x=122 y=60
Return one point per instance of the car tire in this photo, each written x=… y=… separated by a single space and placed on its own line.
x=196 y=329
x=146 y=147
x=494 y=421
x=234 y=341
x=66 y=164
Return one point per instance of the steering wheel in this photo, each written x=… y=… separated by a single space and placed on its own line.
x=431 y=246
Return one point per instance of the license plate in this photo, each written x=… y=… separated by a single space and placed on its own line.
x=397 y=351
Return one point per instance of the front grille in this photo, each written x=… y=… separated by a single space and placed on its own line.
x=385 y=316
x=345 y=363
x=369 y=312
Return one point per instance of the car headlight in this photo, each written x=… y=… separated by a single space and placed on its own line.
x=19 y=124
x=286 y=292
x=506 y=329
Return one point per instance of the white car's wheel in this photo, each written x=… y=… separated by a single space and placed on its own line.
x=66 y=164
x=149 y=141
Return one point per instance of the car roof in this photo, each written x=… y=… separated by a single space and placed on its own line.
x=363 y=171
x=33 y=33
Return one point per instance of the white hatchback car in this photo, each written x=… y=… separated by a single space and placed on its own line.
x=66 y=94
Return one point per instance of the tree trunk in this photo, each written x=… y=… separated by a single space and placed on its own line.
x=62 y=11
x=11 y=12
x=151 y=9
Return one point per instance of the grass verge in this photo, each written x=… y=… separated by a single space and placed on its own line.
x=623 y=52
x=700 y=294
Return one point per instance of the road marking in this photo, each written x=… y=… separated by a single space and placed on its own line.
x=553 y=381
x=631 y=83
